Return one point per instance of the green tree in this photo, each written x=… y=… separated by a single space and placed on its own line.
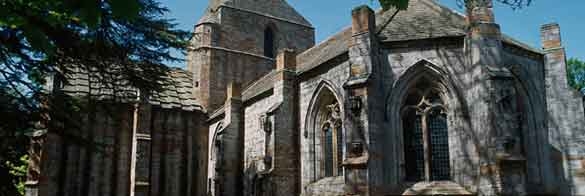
x=576 y=74
x=42 y=38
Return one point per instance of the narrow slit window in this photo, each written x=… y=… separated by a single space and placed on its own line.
x=269 y=43
x=328 y=150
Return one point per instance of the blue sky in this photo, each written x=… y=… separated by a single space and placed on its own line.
x=330 y=16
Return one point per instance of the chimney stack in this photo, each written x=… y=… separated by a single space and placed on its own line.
x=363 y=20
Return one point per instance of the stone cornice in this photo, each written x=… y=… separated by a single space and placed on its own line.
x=229 y=50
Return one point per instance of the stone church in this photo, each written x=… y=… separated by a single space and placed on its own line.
x=425 y=101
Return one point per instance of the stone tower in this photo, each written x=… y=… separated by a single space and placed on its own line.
x=236 y=41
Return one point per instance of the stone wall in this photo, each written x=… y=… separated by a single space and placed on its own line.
x=444 y=58
x=565 y=114
x=84 y=163
x=96 y=158
x=244 y=31
x=232 y=49
x=331 y=76
x=255 y=136
x=270 y=135
x=447 y=57
x=529 y=68
x=179 y=146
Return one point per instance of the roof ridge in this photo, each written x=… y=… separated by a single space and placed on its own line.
x=282 y=10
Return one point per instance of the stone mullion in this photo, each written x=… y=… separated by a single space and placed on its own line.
x=426 y=147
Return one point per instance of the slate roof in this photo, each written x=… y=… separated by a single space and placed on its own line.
x=259 y=86
x=424 y=19
x=322 y=52
x=275 y=8
x=253 y=90
x=176 y=93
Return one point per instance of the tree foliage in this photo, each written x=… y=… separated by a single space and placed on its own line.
x=42 y=39
x=576 y=74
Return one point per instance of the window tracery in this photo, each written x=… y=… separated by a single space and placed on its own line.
x=426 y=139
x=332 y=142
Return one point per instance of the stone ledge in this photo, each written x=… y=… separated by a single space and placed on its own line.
x=436 y=188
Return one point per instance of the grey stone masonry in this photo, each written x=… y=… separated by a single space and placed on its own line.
x=565 y=113
x=285 y=159
x=425 y=101
x=363 y=120
x=484 y=50
x=497 y=117
x=170 y=163
x=229 y=172
x=229 y=45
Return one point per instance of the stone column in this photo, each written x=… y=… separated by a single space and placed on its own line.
x=285 y=163
x=488 y=78
x=232 y=144
x=565 y=114
x=363 y=108
x=556 y=80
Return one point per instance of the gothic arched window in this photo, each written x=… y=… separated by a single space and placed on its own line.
x=269 y=42
x=324 y=136
x=426 y=138
x=332 y=142
x=328 y=150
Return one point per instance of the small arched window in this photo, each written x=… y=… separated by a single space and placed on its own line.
x=426 y=139
x=269 y=42
x=332 y=142
x=328 y=149
x=325 y=136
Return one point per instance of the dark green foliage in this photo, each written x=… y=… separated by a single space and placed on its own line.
x=576 y=74
x=41 y=39
x=398 y=4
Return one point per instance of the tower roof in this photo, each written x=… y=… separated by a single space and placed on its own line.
x=274 y=8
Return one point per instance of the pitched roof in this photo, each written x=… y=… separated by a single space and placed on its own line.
x=424 y=19
x=322 y=52
x=176 y=93
x=260 y=86
x=275 y=8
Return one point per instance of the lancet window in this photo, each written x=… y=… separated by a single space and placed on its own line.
x=426 y=138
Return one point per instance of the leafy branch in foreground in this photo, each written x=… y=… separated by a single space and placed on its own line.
x=41 y=39
x=576 y=74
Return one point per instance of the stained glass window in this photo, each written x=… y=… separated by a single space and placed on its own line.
x=328 y=150
x=425 y=125
x=328 y=138
x=439 y=147
x=143 y=161
x=414 y=151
